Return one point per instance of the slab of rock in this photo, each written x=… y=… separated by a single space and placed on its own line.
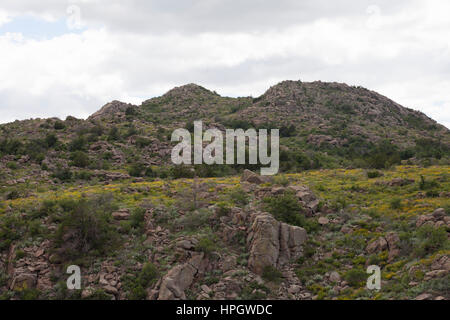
x=306 y=195
x=179 y=278
x=424 y=296
x=400 y=182
x=393 y=241
x=24 y=281
x=376 y=246
x=439 y=213
x=121 y=214
x=335 y=277
x=272 y=243
x=251 y=177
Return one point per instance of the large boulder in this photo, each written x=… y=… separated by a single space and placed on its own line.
x=121 y=214
x=111 y=109
x=179 y=278
x=272 y=243
x=251 y=177
x=399 y=182
x=393 y=242
x=24 y=281
x=376 y=246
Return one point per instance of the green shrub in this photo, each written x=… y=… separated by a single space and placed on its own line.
x=137 y=218
x=431 y=240
x=12 y=227
x=137 y=293
x=63 y=174
x=206 y=245
x=99 y=294
x=271 y=274
x=51 y=140
x=148 y=275
x=12 y=165
x=80 y=159
x=136 y=170
x=239 y=197
x=194 y=220
x=223 y=209
x=20 y=254
x=85 y=227
x=28 y=294
x=374 y=174
x=59 y=125
x=113 y=134
x=181 y=171
x=78 y=144
x=427 y=184
x=356 y=277
x=136 y=285
x=12 y=195
x=395 y=204
x=286 y=208
x=281 y=180
x=83 y=175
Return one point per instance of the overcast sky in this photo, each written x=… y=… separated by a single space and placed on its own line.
x=62 y=58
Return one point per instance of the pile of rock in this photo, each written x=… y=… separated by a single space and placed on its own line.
x=436 y=219
x=32 y=270
x=390 y=242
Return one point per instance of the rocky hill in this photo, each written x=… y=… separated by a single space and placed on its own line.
x=322 y=125
x=363 y=181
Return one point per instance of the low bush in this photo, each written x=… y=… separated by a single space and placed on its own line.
x=206 y=245
x=395 y=204
x=85 y=227
x=272 y=274
x=356 y=277
x=79 y=159
x=239 y=197
x=374 y=174
x=431 y=240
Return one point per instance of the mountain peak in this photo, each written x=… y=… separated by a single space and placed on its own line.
x=188 y=89
x=111 y=108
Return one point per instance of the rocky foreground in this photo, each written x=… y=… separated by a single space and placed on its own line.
x=300 y=236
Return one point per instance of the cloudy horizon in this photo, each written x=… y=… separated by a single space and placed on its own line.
x=63 y=58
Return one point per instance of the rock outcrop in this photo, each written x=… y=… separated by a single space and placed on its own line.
x=436 y=219
x=251 y=177
x=180 y=277
x=110 y=109
x=272 y=243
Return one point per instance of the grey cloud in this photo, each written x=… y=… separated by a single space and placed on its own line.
x=194 y=16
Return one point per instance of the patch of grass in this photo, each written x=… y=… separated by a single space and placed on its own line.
x=396 y=204
x=272 y=274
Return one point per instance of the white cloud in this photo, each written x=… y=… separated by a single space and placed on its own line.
x=4 y=17
x=400 y=50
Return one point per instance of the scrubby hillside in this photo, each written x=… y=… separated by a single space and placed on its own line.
x=322 y=125
x=297 y=236
x=364 y=181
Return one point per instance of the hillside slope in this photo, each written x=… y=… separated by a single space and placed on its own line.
x=322 y=125
x=102 y=194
